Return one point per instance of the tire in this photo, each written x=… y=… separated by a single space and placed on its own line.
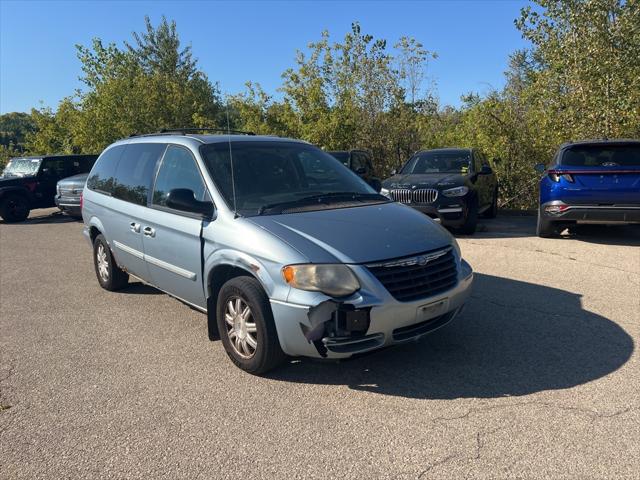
x=14 y=208
x=492 y=212
x=252 y=346
x=110 y=276
x=545 y=228
x=470 y=221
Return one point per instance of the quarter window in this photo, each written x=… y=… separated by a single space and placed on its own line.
x=135 y=171
x=178 y=170
x=101 y=178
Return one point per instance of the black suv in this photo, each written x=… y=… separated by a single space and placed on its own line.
x=454 y=185
x=30 y=182
x=360 y=162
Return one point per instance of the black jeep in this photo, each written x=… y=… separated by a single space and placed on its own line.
x=30 y=182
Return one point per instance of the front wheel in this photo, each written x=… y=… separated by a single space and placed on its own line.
x=14 y=208
x=246 y=326
x=470 y=221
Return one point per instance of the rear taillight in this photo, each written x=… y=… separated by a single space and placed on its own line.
x=555 y=175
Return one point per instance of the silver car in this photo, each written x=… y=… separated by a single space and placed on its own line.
x=286 y=250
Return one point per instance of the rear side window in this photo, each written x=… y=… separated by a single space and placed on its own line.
x=135 y=171
x=101 y=178
x=602 y=155
x=178 y=170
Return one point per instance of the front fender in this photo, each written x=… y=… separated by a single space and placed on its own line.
x=267 y=273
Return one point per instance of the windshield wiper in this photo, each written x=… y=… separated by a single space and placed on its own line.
x=321 y=198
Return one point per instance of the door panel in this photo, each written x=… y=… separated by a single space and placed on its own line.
x=130 y=189
x=171 y=238
x=119 y=218
x=172 y=253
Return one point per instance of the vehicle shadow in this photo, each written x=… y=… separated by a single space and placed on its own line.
x=45 y=216
x=525 y=226
x=139 y=288
x=514 y=338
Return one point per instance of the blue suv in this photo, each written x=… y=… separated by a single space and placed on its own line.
x=596 y=181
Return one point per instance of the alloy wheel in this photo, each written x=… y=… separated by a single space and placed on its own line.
x=103 y=264
x=241 y=327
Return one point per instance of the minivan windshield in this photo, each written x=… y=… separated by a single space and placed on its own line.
x=282 y=177
x=438 y=162
x=21 y=167
x=606 y=155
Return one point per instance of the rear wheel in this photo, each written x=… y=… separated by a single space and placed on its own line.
x=110 y=276
x=492 y=212
x=545 y=228
x=14 y=208
x=246 y=326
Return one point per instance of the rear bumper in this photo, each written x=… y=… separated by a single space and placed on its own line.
x=592 y=213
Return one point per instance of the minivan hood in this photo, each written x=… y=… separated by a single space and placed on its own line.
x=357 y=235
x=425 y=180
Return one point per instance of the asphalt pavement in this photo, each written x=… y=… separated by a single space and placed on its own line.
x=538 y=378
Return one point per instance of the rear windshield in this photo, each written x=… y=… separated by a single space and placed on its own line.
x=438 y=162
x=602 y=155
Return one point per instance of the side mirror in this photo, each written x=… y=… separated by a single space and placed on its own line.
x=394 y=171
x=486 y=170
x=184 y=199
x=540 y=168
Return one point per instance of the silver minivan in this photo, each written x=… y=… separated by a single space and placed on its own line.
x=286 y=250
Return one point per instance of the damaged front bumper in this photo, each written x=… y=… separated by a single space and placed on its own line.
x=370 y=319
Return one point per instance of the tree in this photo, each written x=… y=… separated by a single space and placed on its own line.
x=141 y=88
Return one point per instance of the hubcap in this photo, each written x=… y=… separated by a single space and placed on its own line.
x=241 y=327
x=103 y=265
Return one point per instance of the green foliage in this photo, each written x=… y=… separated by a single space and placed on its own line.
x=580 y=78
x=138 y=89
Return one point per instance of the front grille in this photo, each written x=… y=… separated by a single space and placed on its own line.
x=419 y=195
x=420 y=276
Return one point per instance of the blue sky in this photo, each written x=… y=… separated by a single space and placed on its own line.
x=240 y=41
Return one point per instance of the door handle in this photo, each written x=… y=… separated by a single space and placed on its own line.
x=135 y=227
x=149 y=232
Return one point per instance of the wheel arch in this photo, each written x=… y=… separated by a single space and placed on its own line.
x=222 y=267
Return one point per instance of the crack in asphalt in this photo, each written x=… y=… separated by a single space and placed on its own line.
x=479 y=445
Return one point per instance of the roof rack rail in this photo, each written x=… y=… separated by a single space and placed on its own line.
x=186 y=131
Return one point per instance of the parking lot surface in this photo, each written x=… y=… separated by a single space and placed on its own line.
x=537 y=378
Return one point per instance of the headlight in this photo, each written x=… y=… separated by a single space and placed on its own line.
x=332 y=280
x=385 y=192
x=455 y=192
x=58 y=189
